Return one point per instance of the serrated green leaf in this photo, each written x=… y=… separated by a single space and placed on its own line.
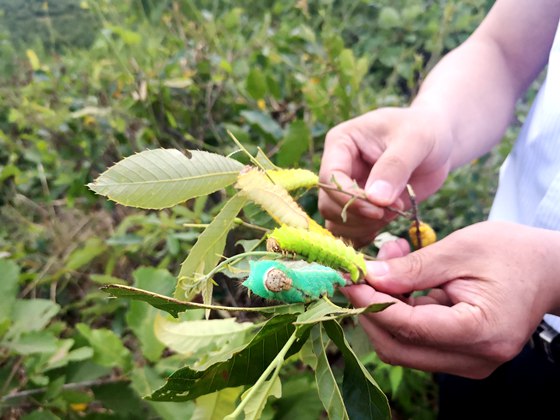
x=329 y=392
x=140 y=316
x=161 y=178
x=243 y=368
x=362 y=396
x=324 y=310
x=208 y=249
x=175 y=306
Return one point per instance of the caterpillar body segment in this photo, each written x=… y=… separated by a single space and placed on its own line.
x=292 y=179
x=316 y=227
x=292 y=281
x=271 y=197
x=316 y=247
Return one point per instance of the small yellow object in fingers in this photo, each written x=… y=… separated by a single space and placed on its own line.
x=426 y=234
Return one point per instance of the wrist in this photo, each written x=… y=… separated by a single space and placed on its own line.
x=547 y=246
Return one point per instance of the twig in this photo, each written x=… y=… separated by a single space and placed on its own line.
x=414 y=205
x=75 y=385
x=363 y=197
x=13 y=372
x=272 y=372
x=235 y=259
x=250 y=225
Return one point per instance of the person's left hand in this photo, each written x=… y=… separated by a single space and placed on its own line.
x=491 y=283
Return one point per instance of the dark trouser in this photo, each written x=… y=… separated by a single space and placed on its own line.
x=527 y=387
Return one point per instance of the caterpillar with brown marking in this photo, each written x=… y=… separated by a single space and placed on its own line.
x=317 y=247
x=292 y=281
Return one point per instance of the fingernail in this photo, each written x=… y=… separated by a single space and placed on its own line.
x=380 y=191
x=377 y=269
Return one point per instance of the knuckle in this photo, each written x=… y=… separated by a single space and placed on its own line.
x=415 y=265
x=386 y=356
x=502 y=351
x=396 y=163
x=334 y=135
x=411 y=333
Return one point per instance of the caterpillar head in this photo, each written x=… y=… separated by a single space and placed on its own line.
x=257 y=276
x=276 y=280
x=272 y=280
x=272 y=245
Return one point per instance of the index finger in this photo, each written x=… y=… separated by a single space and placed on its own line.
x=450 y=327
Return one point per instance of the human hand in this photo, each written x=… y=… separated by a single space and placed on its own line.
x=381 y=152
x=491 y=283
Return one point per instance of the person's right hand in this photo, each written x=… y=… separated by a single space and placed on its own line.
x=489 y=286
x=381 y=152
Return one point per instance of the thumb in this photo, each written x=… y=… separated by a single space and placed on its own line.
x=392 y=171
x=418 y=270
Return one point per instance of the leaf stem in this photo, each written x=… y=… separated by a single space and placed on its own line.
x=242 y=222
x=415 y=216
x=236 y=258
x=73 y=385
x=273 y=368
x=360 y=196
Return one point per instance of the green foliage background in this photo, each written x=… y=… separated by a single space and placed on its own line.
x=85 y=83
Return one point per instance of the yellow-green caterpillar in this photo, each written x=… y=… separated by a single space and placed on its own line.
x=317 y=247
x=292 y=281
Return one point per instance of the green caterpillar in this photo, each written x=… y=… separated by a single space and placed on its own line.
x=317 y=247
x=293 y=178
x=292 y=281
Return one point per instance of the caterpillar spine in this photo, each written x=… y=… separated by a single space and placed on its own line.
x=315 y=247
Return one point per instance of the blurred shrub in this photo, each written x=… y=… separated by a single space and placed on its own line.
x=85 y=83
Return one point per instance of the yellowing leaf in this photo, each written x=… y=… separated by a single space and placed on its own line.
x=33 y=59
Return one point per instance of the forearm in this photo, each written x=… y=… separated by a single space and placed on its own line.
x=474 y=89
x=474 y=100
